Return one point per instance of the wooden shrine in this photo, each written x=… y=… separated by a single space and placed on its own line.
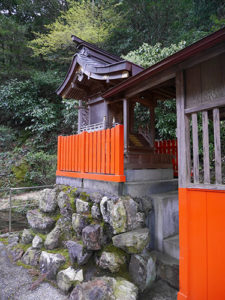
x=197 y=73
x=108 y=140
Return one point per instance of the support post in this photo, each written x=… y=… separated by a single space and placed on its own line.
x=106 y=115
x=183 y=135
x=152 y=124
x=125 y=123
x=79 y=116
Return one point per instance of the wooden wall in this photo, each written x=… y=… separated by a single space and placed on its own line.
x=205 y=82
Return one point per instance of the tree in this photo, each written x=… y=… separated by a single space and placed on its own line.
x=146 y=56
x=93 y=23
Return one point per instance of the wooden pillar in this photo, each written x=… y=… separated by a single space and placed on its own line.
x=183 y=133
x=183 y=136
x=152 y=123
x=106 y=115
x=79 y=116
x=125 y=123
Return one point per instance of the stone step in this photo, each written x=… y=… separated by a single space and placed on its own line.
x=171 y=246
x=166 y=217
x=148 y=174
x=150 y=187
x=167 y=268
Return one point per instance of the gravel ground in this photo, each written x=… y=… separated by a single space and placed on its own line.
x=15 y=283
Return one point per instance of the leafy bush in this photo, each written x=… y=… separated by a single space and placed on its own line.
x=70 y=116
x=7 y=138
x=42 y=168
x=147 y=55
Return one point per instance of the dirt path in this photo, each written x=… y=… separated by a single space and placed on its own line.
x=15 y=283
x=31 y=197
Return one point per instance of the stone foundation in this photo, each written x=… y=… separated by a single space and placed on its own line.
x=94 y=245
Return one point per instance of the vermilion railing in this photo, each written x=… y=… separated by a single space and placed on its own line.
x=168 y=147
x=95 y=155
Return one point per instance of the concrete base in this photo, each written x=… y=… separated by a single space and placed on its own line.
x=148 y=188
x=148 y=174
x=75 y=182
x=133 y=189
x=166 y=217
x=171 y=246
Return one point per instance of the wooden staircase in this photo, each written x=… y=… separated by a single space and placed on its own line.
x=137 y=141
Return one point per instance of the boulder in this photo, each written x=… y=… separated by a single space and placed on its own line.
x=52 y=239
x=50 y=263
x=167 y=268
x=77 y=253
x=64 y=204
x=92 y=237
x=104 y=208
x=142 y=269
x=27 y=236
x=96 y=197
x=66 y=278
x=111 y=261
x=118 y=216
x=39 y=222
x=124 y=290
x=140 y=219
x=121 y=213
x=133 y=241
x=135 y=219
x=97 y=289
x=160 y=290
x=82 y=206
x=13 y=238
x=65 y=225
x=105 y=288
x=37 y=242
x=47 y=201
x=31 y=257
x=144 y=204
x=95 y=212
x=79 y=222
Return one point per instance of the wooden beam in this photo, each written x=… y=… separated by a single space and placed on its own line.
x=125 y=123
x=79 y=116
x=183 y=133
x=152 y=124
x=205 y=132
x=219 y=102
x=203 y=56
x=150 y=83
x=195 y=147
x=217 y=145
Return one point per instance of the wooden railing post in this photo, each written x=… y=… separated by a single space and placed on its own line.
x=59 y=153
x=125 y=123
x=119 y=156
x=97 y=155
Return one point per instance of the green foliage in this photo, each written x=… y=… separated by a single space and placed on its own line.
x=90 y=22
x=7 y=138
x=19 y=171
x=70 y=115
x=147 y=55
x=42 y=168
x=166 y=120
x=165 y=112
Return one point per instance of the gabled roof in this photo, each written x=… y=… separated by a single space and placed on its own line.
x=94 y=70
x=178 y=57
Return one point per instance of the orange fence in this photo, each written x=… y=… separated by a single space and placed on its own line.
x=96 y=155
x=168 y=147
